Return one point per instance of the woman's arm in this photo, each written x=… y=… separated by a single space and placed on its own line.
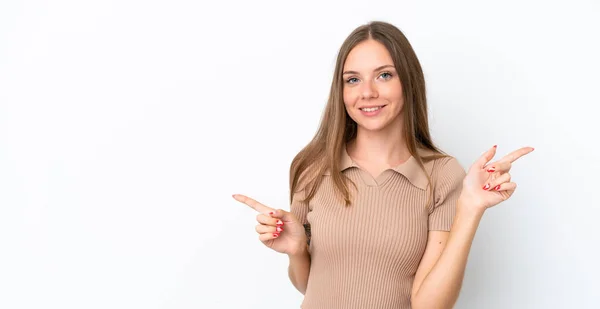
x=440 y=274
x=299 y=268
x=438 y=280
x=439 y=277
x=281 y=231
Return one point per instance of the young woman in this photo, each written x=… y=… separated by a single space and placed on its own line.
x=379 y=216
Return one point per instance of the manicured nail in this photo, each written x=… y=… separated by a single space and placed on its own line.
x=486 y=187
x=279 y=229
x=279 y=222
x=275 y=235
x=491 y=170
x=495 y=146
x=271 y=213
x=497 y=187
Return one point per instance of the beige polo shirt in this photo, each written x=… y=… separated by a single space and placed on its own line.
x=366 y=255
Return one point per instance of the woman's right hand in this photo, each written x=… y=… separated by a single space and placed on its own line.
x=278 y=229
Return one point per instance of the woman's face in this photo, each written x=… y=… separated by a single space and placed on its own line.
x=372 y=88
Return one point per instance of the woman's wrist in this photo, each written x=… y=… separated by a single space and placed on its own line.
x=469 y=207
x=300 y=251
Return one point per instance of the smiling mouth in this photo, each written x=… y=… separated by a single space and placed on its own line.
x=371 y=109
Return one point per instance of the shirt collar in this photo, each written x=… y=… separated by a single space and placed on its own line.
x=409 y=168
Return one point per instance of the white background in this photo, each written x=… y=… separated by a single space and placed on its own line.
x=125 y=126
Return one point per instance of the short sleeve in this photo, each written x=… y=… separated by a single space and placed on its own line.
x=447 y=187
x=298 y=207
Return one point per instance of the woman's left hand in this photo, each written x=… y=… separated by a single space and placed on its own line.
x=487 y=185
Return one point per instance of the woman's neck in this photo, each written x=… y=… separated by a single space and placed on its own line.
x=383 y=147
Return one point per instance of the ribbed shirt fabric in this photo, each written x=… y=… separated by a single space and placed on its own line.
x=366 y=255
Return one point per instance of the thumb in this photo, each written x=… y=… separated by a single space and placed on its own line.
x=485 y=158
x=285 y=216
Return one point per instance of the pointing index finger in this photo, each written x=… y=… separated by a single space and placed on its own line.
x=253 y=204
x=513 y=156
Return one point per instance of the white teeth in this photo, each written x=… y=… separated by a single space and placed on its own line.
x=370 y=109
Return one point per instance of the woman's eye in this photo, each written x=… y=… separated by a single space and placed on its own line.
x=352 y=80
x=386 y=75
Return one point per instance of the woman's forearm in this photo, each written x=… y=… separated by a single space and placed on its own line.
x=299 y=269
x=441 y=287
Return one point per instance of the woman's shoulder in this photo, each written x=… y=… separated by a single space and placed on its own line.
x=440 y=163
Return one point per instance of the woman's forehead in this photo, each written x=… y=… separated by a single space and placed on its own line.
x=367 y=55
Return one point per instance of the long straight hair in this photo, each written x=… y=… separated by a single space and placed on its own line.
x=323 y=152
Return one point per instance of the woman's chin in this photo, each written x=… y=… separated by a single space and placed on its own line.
x=372 y=126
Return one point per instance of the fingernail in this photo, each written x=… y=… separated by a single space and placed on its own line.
x=486 y=187
x=491 y=170
x=497 y=187
x=495 y=146
x=275 y=235
x=271 y=213
x=279 y=229
x=279 y=222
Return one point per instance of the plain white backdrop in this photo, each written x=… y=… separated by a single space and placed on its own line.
x=125 y=126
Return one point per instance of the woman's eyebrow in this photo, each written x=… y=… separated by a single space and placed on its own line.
x=376 y=69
